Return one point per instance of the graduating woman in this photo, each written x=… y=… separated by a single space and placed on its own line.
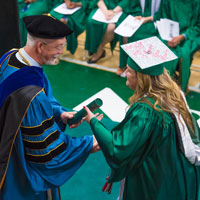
x=152 y=150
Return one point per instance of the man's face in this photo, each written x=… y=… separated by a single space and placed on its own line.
x=51 y=50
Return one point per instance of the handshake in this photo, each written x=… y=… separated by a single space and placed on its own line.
x=74 y=119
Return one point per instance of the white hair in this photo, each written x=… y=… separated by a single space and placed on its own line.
x=32 y=40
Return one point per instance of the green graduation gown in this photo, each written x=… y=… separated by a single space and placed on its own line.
x=39 y=7
x=143 y=149
x=76 y=22
x=93 y=40
x=187 y=13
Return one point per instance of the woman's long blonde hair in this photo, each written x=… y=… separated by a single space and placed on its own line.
x=165 y=92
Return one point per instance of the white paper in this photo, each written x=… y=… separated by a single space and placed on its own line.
x=160 y=28
x=62 y=9
x=129 y=26
x=99 y=16
x=113 y=106
x=167 y=29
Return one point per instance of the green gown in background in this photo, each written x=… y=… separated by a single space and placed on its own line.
x=76 y=22
x=187 y=13
x=37 y=8
x=143 y=149
x=145 y=31
x=95 y=30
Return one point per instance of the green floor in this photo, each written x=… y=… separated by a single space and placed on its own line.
x=73 y=84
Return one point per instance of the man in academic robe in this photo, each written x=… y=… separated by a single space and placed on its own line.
x=36 y=156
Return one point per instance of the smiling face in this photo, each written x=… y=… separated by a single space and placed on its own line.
x=51 y=50
x=131 y=76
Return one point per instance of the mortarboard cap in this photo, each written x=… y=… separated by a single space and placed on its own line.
x=45 y=26
x=148 y=56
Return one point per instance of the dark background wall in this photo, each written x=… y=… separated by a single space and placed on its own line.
x=9 y=26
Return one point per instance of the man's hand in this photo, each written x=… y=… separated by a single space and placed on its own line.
x=95 y=146
x=176 y=41
x=68 y=115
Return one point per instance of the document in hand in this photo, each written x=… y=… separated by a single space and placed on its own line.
x=99 y=16
x=62 y=9
x=129 y=26
x=167 y=29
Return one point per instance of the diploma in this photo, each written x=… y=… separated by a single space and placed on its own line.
x=82 y=113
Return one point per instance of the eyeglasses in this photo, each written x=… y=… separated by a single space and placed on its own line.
x=59 y=47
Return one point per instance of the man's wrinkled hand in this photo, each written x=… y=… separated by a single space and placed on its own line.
x=69 y=115
x=95 y=146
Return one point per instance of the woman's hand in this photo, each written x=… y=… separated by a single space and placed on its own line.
x=109 y=14
x=70 y=4
x=145 y=19
x=176 y=41
x=90 y=115
x=138 y=17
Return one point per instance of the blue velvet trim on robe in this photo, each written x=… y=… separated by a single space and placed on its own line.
x=25 y=76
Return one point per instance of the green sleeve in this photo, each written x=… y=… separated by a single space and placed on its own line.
x=88 y=5
x=128 y=142
x=193 y=31
x=84 y=4
x=123 y=4
x=131 y=7
x=134 y=8
x=102 y=135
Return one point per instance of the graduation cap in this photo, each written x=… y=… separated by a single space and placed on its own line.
x=45 y=26
x=148 y=56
